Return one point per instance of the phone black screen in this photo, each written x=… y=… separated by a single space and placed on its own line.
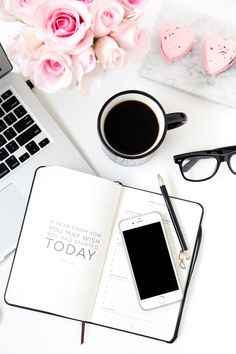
x=150 y=260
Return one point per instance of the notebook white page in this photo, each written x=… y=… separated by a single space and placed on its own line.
x=117 y=303
x=63 y=242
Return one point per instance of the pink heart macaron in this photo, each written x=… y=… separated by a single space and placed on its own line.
x=218 y=54
x=175 y=41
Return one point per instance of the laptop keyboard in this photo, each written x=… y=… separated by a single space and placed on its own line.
x=20 y=136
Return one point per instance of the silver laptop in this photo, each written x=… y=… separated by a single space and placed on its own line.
x=29 y=138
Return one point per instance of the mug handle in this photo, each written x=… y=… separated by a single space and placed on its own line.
x=175 y=120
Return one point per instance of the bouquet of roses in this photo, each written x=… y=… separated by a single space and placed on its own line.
x=64 y=43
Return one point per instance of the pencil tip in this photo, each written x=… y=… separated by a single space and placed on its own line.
x=160 y=180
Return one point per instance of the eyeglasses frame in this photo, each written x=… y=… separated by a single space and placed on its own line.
x=220 y=154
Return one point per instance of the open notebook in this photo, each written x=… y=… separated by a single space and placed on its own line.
x=70 y=259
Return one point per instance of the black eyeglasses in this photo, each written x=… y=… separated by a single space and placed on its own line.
x=202 y=165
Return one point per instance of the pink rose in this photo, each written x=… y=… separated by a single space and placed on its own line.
x=5 y=15
x=86 y=2
x=25 y=44
x=23 y=48
x=23 y=10
x=91 y=80
x=62 y=23
x=83 y=63
x=91 y=4
x=109 y=54
x=85 y=43
x=107 y=18
x=86 y=59
x=132 y=6
x=51 y=72
x=134 y=39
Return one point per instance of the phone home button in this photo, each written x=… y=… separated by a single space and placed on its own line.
x=161 y=299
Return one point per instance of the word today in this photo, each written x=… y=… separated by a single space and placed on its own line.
x=69 y=249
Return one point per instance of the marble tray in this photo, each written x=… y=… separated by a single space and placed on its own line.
x=188 y=73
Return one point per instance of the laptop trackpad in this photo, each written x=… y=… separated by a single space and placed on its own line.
x=12 y=207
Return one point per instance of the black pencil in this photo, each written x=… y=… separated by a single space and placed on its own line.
x=172 y=214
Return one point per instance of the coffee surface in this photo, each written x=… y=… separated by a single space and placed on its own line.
x=131 y=127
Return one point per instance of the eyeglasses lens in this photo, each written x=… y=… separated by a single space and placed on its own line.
x=197 y=168
x=233 y=162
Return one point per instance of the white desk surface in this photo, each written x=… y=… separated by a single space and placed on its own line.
x=208 y=323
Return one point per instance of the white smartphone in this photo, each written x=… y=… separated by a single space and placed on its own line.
x=151 y=261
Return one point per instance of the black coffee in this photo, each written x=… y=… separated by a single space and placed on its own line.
x=131 y=127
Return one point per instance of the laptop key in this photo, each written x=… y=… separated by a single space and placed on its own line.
x=9 y=133
x=44 y=142
x=10 y=118
x=24 y=123
x=28 y=135
x=1 y=113
x=2 y=140
x=24 y=157
x=10 y=104
x=12 y=146
x=3 y=170
x=6 y=94
x=20 y=111
x=3 y=125
x=32 y=147
x=12 y=162
x=3 y=154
